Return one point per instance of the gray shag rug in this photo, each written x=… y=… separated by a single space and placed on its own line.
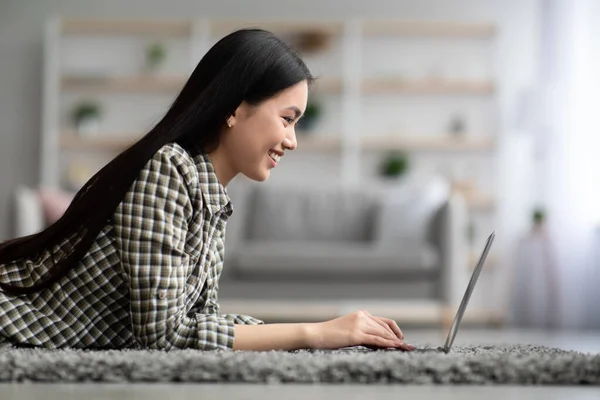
x=497 y=365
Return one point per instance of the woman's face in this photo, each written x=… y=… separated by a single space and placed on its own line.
x=259 y=135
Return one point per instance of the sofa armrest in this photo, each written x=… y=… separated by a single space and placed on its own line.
x=454 y=243
x=29 y=214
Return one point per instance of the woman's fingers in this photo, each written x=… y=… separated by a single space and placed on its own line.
x=380 y=335
x=394 y=327
x=389 y=325
x=391 y=334
x=376 y=341
x=376 y=327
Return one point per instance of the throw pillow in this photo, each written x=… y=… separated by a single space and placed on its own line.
x=54 y=202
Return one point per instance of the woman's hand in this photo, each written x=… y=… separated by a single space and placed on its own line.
x=358 y=329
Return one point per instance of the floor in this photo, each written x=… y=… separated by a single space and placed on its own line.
x=584 y=342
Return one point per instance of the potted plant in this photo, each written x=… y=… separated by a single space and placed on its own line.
x=310 y=117
x=311 y=41
x=394 y=165
x=86 y=117
x=156 y=53
x=471 y=233
x=539 y=218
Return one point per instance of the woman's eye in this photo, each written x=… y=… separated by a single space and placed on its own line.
x=289 y=120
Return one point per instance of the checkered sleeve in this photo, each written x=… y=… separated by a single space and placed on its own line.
x=150 y=229
x=212 y=304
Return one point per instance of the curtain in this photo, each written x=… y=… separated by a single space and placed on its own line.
x=569 y=139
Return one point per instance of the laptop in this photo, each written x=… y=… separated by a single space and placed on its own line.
x=459 y=313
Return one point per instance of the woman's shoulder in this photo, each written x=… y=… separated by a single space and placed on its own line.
x=174 y=152
x=173 y=158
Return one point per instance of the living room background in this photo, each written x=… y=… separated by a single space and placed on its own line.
x=508 y=59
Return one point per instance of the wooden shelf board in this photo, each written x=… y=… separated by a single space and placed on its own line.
x=414 y=143
x=480 y=202
x=140 y=83
x=428 y=28
x=174 y=27
x=329 y=84
x=114 y=142
x=85 y=26
x=314 y=141
x=383 y=85
x=425 y=86
x=279 y=26
x=310 y=141
x=145 y=83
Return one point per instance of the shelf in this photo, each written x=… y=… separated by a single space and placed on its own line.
x=480 y=202
x=126 y=27
x=309 y=141
x=425 y=86
x=416 y=143
x=314 y=141
x=387 y=85
x=331 y=27
x=428 y=29
x=139 y=83
x=92 y=26
x=148 y=83
x=329 y=84
x=114 y=142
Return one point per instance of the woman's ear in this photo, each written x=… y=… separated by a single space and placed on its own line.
x=242 y=112
x=231 y=120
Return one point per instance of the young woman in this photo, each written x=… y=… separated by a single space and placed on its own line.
x=135 y=260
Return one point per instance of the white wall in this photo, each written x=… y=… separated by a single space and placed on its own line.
x=21 y=38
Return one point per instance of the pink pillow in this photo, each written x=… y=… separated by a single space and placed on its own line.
x=54 y=202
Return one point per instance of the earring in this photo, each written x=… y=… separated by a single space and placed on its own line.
x=229 y=123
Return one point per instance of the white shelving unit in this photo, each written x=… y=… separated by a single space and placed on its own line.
x=349 y=82
x=102 y=59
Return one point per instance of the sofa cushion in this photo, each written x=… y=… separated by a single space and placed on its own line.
x=406 y=211
x=54 y=202
x=310 y=213
x=317 y=258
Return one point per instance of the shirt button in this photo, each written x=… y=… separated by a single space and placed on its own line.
x=162 y=294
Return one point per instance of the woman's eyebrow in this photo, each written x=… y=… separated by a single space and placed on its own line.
x=296 y=111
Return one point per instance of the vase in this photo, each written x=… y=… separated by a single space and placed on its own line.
x=88 y=126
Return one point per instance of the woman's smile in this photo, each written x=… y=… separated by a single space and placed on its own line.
x=274 y=156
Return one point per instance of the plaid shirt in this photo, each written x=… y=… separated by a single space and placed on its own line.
x=150 y=279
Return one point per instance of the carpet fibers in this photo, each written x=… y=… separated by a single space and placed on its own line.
x=524 y=365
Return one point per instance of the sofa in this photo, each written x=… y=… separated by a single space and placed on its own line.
x=315 y=251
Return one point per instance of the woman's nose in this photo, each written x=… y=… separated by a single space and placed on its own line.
x=290 y=143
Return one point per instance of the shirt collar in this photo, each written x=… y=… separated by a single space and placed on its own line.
x=214 y=193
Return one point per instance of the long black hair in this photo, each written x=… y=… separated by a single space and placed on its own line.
x=249 y=65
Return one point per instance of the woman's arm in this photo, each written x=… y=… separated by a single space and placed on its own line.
x=210 y=301
x=272 y=337
x=355 y=329
x=150 y=227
